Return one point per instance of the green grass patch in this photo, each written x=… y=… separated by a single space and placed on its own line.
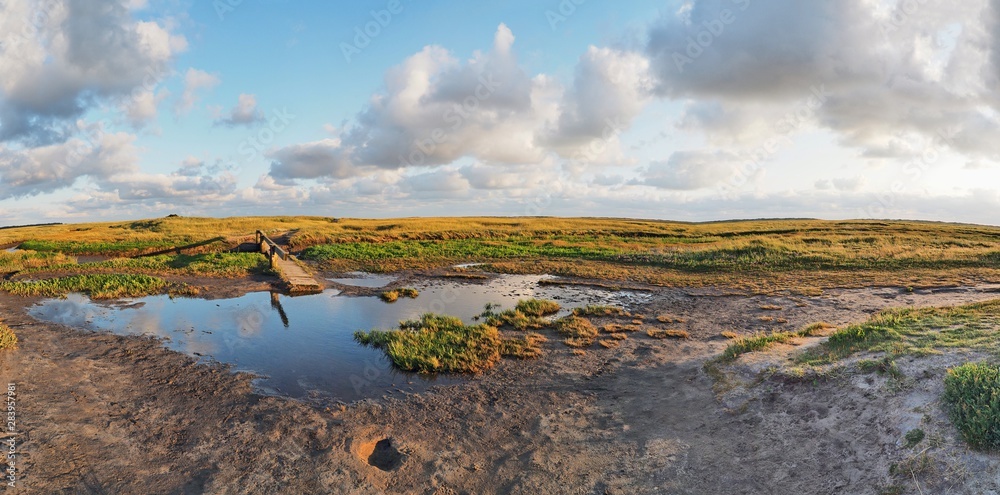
x=914 y=331
x=8 y=340
x=913 y=437
x=537 y=307
x=436 y=343
x=26 y=260
x=762 y=340
x=226 y=265
x=101 y=286
x=972 y=393
x=756 y=342
x=517 y=318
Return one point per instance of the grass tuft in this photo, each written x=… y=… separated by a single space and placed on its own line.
x=665 y=318
x=663 y=334
x=527 y=347
x=391 y=296
x=8 y=340
x=599 y=310
x=436 y=343
x=537 y=307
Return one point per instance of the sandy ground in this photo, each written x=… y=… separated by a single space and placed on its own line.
x=98 y=413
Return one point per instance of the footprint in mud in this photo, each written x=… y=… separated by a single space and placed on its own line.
x=381 y=454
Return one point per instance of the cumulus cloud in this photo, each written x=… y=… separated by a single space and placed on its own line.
x=324 y=158
x=195 y=81
x=61 y=57
x=244 y=113
x=44 y=169
x=611 y=87
x=919 y=72
x=435 y=110
x=690 y=170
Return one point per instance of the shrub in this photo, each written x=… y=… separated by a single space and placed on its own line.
x=972 y=392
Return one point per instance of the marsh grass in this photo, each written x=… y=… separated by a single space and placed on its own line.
x=26 y=260
x=8 y=340
x=537 y=307
x=391 y=296
x=668 y=333
x=599 y=310
x=578 y=332
x=436 y=343
x=223 y=265
x=101 y=286
x=914 y=331
x=803 y=255
x=526 y=314
x=759 y=341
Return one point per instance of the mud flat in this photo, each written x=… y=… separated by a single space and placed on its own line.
x=106 y=413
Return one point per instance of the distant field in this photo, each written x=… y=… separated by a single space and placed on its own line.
x=785 y=253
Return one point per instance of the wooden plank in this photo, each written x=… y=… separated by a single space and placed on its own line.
x=298 y=280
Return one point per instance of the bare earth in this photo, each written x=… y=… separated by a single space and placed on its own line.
x=99 y=413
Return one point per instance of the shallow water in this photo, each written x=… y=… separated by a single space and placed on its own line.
x=364 y=279
x=303 y=346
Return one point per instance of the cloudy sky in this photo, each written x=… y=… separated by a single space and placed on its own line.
x=687 y=110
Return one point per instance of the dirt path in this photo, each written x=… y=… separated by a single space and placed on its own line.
x=99 y=413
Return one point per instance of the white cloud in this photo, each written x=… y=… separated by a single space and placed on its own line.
x=436 y=110
x=244 y=113
x=44 y=169
x=62 y=57
x=887 y=69
x=195 y=81
x=690 y=170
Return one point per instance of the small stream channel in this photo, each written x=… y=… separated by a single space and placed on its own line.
x=303 y=347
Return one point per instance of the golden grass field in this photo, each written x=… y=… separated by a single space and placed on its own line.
x=760 y=255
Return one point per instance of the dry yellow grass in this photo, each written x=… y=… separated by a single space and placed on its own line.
x=671 y=333
x=769 y=256
x=667 y=318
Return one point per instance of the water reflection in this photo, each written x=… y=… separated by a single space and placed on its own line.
x=303 y=346
x=365 y=279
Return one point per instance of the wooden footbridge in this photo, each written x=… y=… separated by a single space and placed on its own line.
x=299 y=281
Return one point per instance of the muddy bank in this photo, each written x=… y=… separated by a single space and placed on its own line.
x=99 y=413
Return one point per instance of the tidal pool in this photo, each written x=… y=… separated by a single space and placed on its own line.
x=364 y=279
x=303 y=346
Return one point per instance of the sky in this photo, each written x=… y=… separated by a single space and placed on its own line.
x=684 y=110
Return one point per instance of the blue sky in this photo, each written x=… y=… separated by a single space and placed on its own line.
x=688 y=110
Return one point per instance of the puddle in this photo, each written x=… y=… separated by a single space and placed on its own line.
x=11 y=249
x=364 y=279
x=303 y=346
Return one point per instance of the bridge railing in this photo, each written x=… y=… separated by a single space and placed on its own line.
x=269 y=247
